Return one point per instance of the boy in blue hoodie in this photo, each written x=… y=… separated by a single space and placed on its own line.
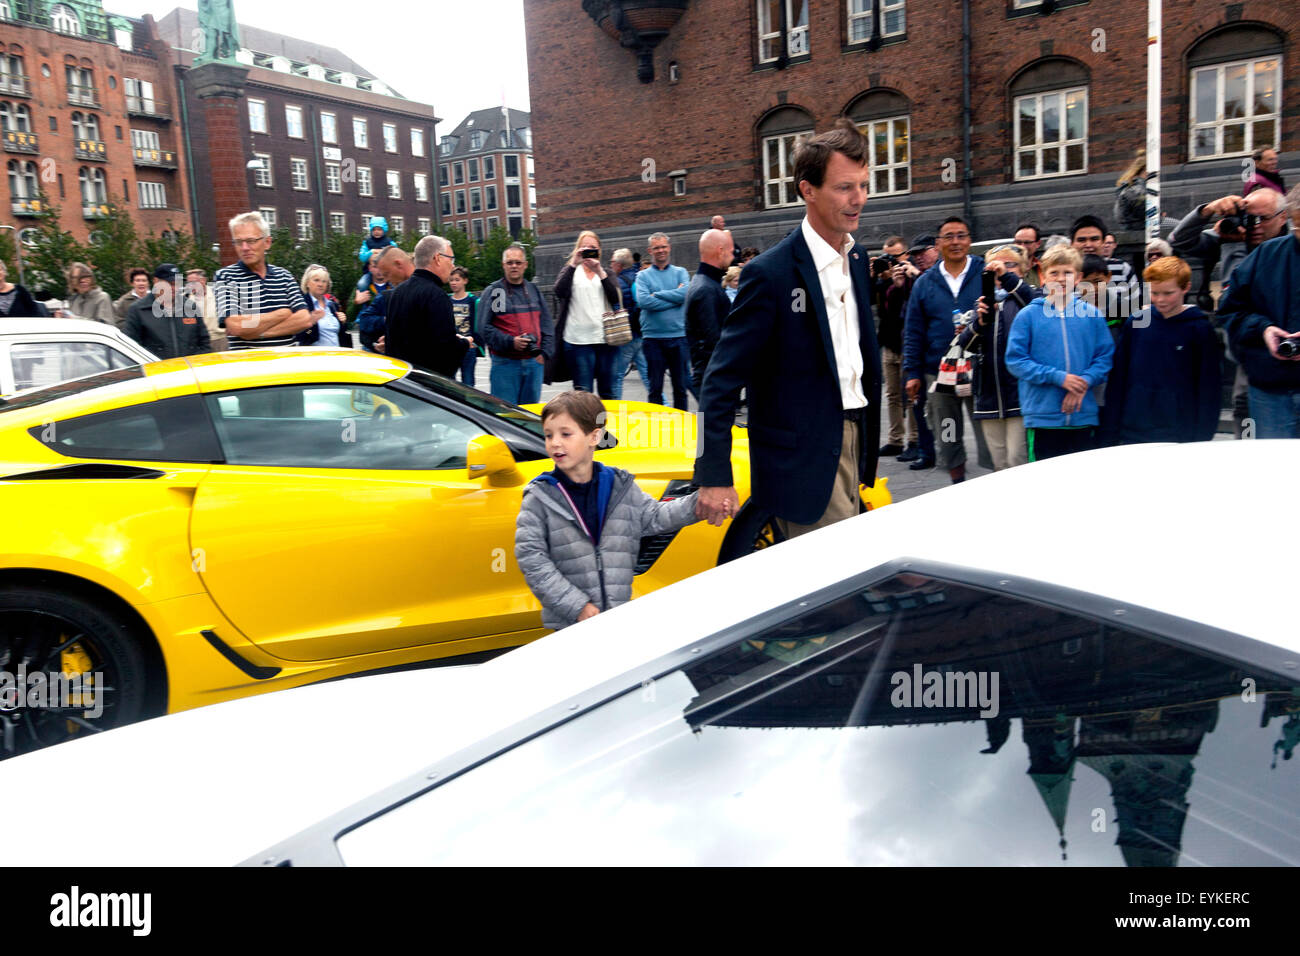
x=1059 y=350
x=377 y=239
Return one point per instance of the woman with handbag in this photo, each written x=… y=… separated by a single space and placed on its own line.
x=586 y=297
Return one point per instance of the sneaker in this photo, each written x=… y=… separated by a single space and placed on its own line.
x=893 y=448
x=921 y=464
x=910 y=453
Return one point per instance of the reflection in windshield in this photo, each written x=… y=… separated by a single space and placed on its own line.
x=853 y=734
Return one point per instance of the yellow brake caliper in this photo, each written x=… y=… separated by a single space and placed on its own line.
x=74 y=660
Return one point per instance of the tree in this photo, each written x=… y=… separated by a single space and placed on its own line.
x=115 y=249
x=51 y=252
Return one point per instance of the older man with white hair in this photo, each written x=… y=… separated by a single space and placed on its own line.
x=707 y=304
x=258 y=304
x=421 y=320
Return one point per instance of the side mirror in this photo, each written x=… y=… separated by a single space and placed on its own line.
x=488 y=457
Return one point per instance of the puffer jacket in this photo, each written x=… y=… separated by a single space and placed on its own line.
x=564 y=569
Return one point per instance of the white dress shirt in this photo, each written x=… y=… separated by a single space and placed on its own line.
x=954 y=282
x=832 y=267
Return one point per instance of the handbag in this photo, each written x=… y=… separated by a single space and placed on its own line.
x=618 y=326
x=955 y=370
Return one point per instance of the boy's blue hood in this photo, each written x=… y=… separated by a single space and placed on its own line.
x=379 y=221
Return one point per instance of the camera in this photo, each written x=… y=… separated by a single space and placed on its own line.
x=1288 y=348
x=590 y=254
x=1241 y=221
x=531 y=341
x=883 y=262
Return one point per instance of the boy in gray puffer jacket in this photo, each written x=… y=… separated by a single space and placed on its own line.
x=580 y=526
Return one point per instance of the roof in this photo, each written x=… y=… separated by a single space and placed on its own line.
x=494 y=122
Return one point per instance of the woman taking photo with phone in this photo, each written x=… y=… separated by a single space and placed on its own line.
x=584 y=292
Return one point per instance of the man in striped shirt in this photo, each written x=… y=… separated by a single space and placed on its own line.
x=258 y=304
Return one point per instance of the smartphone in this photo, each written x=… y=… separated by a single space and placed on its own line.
x=988 y=291
x=590 y=254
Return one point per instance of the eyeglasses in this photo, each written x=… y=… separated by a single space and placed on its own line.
x=444 y=255
x=954 y=235
x=248 y=242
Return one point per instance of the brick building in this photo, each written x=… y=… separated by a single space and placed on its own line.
x=86 y=115
x=326 y=143
x=700 y=102
x=485 y=173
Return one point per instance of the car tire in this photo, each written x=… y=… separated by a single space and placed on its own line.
x=751 y=530
x=47 y=630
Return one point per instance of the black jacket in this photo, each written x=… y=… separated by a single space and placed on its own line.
x=996 y=391
x=1164 y=385
x=182 y=332
x=422 y=325
x=707 y=306
x=785 y=360
x=24 y=306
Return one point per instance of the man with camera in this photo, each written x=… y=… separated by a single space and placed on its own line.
x=1263 y=324
x=889 y=334
x=516 y=325
x=1225 y=231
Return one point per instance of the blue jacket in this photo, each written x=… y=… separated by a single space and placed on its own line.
x=1165 y=383
x=1046 y=344
x=927 y=324
x=370 y=244
x=1264 y=290
x=663 y=304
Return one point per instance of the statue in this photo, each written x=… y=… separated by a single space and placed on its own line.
x=220 y=32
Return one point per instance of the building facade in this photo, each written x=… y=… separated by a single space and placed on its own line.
x=485 y=173
x=1031 y=113
x=88 y=117
x=328 y=145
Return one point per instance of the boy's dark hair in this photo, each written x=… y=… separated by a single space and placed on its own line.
x=813 y=155
x=130 y=276
x=952 y=219
x=462 y=272
x=749 y=252
x=1094 y=265
x=1086 y=222
x=1030 y=225
x=584 y=408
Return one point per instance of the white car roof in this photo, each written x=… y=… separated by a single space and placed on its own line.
x=1194 y=531
x=38 y=325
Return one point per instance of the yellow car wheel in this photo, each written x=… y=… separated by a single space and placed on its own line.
x=67 y=668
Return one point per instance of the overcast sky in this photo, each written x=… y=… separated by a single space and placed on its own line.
x=458 y=56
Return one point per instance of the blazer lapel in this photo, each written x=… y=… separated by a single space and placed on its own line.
x=807 y=272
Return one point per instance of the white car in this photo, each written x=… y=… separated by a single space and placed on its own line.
x=35 y=353
x=1092 y=658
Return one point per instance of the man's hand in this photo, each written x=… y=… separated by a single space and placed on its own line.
x=362 y=297
x=715 y=505
x=996 y=266
x=521 y=344
x=1075 y=385
x=1071 y=403
x=379 y=344
x=540 y=359
x=1222 y=207
x=1273 y=335
x=589 y=611
x=913 y=389
x=898 y=273
x=317 y=315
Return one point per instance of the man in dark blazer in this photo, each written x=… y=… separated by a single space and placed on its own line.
x=801 y=340
x=421 y=324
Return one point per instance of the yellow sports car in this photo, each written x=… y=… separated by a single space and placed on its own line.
x=206 y=528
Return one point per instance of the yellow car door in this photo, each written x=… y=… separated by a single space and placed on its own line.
x=344 y=522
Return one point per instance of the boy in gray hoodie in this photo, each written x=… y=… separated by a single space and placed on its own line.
x=580 y=525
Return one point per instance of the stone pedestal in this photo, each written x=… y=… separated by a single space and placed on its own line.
x=220 y=86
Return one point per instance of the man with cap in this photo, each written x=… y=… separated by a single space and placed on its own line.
x=921 y=255
x=167 y=321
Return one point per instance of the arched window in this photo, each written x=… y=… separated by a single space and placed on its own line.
x=884 y=117
x=1049 y=111
x=64 y=19
x=778 y=131
x=22 y=180
x=22 y=118
x=1235 y=88
x=94 y=191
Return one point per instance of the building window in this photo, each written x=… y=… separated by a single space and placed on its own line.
x=769 y=29
x=329 y=128
x=399 y=225
x=422 y=226
x=460 y=202
x=303 y=218
x=23 y=184
x=421 y=187
x=338 y=222
x=478 y=138
x=94 y=188
x=63 y=19
x=1052 y=134
x=458 y=171
x=16 y=118
x=446 y=204
x=862 y=19
x=81 y=86
x=512 y=167
x=779 y=131
x=293 y=121
x=448 y=145
x=489 y=167
x=257 y=116
x=298 y=173
x=144 y=139
x=139 y=95
x=512 y=196
x=360 y=133
x=528 y=158
x=1236 y=107
x=333 y=178
x=365 y=186
x=442 y=175
x=153 y=195
x=390 y=138
x=417 y=141
x=394 y=178
x=890 y=139
x=493 y=222
x=262 y=175
x=475 y=200
x=473 y=169
x=85 y=126
x=477 y=225
x=365 y=222
x=491 y=196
